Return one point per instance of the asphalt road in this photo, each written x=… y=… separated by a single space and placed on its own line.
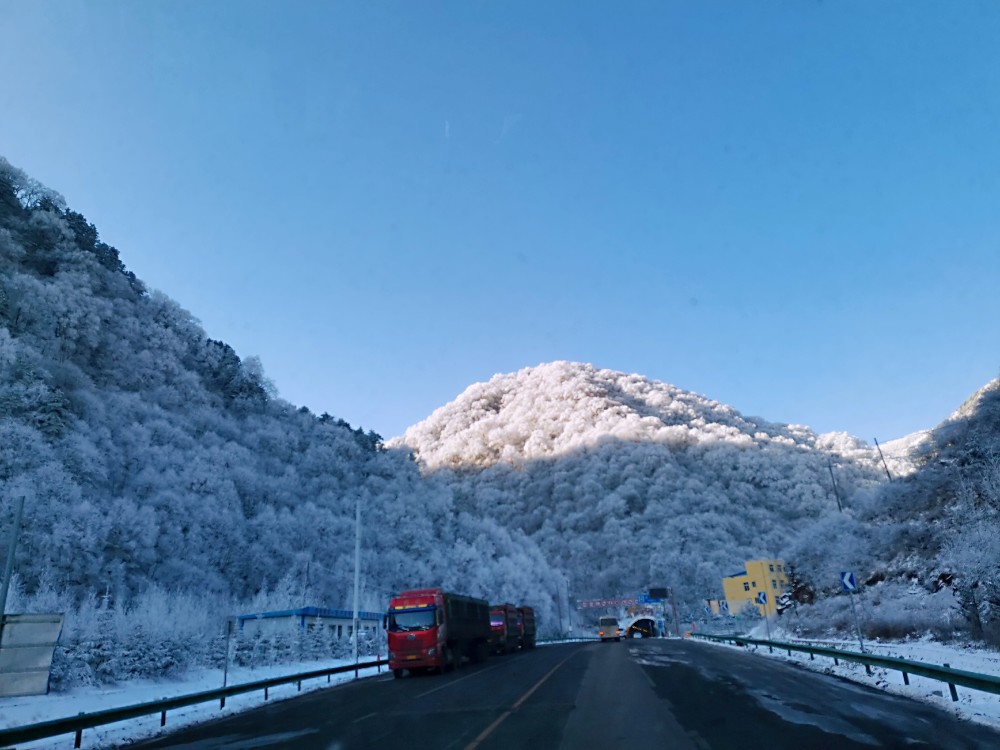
x=639 y=694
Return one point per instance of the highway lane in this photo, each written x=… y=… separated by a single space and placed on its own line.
x=639 y=694
x=727 y=698
x=423 y=711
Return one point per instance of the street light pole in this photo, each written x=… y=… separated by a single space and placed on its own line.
x=357 y=574
x=673 y=608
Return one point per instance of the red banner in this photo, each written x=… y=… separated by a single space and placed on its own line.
x=594 y=603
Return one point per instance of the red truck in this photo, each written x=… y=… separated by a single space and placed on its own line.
x=505 y=627
x=527 y=627
x=433 y=629
x=513 y=628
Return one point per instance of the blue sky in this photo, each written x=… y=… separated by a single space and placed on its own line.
x=787 y=206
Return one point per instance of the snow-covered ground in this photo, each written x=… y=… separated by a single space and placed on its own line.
x=973 y=705
x=33 y=709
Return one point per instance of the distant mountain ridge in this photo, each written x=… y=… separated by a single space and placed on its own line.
x=559 y=407
x=591 y=462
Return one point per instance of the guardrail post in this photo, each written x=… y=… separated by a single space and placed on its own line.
x=222 y=702
x=836 y=661
x=868 y=669
x=951 y=686
x=163 y=718
x=265 y=693
x=906 y=678
x=78 y=740
x=299 y=685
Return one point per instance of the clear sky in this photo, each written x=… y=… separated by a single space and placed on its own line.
x=791 y=207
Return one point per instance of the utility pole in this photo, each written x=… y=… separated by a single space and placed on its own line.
x=836 y=491
x=673 y=608
x=357 y=575
x=883 y=459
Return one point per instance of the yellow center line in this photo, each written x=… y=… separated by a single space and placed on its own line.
x=500 y=719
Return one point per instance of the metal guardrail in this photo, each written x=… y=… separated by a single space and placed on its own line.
x=944 y=673
x=76 y=724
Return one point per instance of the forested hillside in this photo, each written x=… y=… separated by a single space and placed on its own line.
x=152 y=457
x=927 y=544
x=674 y=488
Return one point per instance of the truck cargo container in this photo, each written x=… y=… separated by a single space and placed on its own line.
x=433 y=629
x=527 y=627
x=505 y=627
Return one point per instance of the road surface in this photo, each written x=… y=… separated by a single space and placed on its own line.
x=675 y=694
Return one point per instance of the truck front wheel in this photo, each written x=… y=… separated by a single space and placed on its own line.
x=397 y=673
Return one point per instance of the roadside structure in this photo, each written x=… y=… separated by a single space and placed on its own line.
x=743 y=589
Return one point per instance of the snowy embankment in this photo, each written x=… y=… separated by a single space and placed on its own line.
x=973 y=705
x=21 y=711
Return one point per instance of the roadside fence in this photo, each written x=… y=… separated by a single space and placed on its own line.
x=76 y=724
x=944 y=673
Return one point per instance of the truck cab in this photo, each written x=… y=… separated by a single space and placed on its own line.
x=413 y=627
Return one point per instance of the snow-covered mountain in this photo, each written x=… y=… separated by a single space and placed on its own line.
x=558 y=408
x=595 y=465
x=156 y=463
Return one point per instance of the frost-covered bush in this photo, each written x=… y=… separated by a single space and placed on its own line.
x=888 y=611
x=158 y=634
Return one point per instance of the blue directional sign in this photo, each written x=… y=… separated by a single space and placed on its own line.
x=848 y=582
x=761 y=597
x=724 y=607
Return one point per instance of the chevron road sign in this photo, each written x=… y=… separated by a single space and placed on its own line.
x=847 y=581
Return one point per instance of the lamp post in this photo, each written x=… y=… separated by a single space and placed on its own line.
x=357 y=574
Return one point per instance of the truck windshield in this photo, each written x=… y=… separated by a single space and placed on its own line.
x=413 y=619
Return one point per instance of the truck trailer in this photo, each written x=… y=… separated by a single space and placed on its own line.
x=527 y=627
x=436 y=630
x=505 y=626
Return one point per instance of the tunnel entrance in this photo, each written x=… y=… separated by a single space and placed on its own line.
x=642 y=627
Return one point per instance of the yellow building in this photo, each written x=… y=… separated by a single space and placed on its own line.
x=743 y=589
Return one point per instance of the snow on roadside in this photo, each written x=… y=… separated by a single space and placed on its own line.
x=21 y=711
x=973 y=705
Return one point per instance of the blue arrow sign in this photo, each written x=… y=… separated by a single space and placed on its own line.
x=848 y=582
x=724 y=606
x=762 y=597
